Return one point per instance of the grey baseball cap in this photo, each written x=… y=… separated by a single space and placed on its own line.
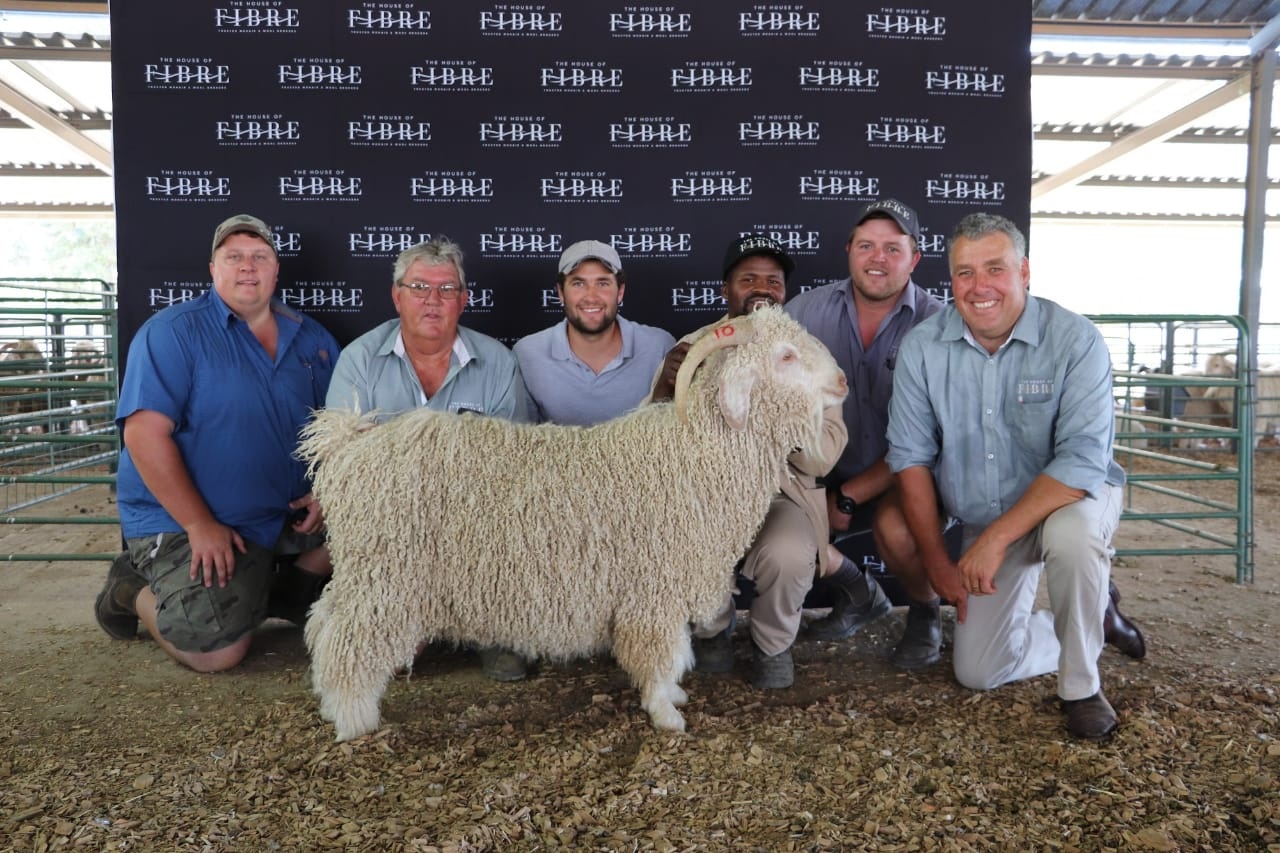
x=243 y=223
x=589 y=250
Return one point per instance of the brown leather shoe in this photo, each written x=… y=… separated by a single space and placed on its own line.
x=1090 y=719
x=1120 y=631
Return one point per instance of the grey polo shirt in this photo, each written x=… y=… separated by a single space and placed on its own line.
x=374 y=373
x=830 y=315
x=987 y=425
x=565 y=390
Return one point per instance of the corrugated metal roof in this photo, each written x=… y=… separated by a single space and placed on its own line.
x=55 y=110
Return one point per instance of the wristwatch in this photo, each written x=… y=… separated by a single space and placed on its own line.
x=845 y=504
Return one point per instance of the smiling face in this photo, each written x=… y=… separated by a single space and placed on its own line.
x=881 y=259
x=244 y=270
x=989 y=282
x=429 y=320
x=756 y=281
x=591 y=295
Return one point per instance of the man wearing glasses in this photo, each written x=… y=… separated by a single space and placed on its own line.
x=423 y=357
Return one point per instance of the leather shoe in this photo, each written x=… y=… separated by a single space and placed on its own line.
x=1090 y=719
x=1120 y=631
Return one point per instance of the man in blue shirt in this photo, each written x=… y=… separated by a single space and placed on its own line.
x=593 y=365
x=424 y=359
x=213 y=398
x=1002 y=416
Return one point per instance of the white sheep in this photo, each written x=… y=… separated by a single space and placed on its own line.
x=557 y=541
x=1266 y=413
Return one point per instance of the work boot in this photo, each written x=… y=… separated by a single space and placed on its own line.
x=114 y=608
x=859 y=602
x=771 y=672
x=502 y=664
x=713 y=654
x=1090 y=719
x=922 y=639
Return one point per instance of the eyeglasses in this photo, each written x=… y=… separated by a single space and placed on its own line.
x=421 y=290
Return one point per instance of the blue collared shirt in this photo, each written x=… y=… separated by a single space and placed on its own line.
x=987 y=425
x=236 y=413
x=830 y=315
x=375 y=374
x=566 y=391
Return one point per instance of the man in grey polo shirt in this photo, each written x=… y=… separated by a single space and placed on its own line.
x=594 y=364
x=862 y=320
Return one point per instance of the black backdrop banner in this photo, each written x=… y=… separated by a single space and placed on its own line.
x=358 y=128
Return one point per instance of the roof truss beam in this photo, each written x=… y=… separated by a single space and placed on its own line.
x=1155 y=132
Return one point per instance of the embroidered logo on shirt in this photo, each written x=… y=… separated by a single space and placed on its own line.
x=1035 y=390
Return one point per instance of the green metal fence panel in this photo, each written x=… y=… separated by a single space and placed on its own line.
x=1185 y=433
x=58 y=391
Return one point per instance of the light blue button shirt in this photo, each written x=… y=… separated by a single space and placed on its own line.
x=989 y=424
x=374 y=373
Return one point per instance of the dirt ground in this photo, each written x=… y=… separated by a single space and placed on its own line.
x=107 y=746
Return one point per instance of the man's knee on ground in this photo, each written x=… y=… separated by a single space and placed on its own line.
x=976 y=675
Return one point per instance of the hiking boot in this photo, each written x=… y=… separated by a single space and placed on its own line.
x=114 y=608
x=713 y=654
x=771 y=672
x=859 y=602
x=502 y=664
x=922 y=639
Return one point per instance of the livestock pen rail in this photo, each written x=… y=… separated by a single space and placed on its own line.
x=1185 y=433
x=58 y=382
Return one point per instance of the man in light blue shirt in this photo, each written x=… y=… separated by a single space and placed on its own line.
x=423 y=357
x=1002 y=415
x=594 y=364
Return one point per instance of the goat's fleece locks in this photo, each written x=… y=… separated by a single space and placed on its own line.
x=557 y=541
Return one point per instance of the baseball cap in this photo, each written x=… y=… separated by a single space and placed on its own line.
x=756 y=244
x=243 y=223
x=589 y=250
x=895 y=210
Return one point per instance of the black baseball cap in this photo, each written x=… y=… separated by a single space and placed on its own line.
x=895 y=210
x=756 y=244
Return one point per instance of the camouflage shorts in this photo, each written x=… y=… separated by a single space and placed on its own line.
x=196 y=618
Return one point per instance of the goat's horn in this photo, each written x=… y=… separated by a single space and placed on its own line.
x=731 y=332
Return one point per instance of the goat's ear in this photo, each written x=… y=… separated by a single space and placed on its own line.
x=735 y=394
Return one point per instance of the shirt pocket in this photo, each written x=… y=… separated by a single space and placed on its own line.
x=1033 y=427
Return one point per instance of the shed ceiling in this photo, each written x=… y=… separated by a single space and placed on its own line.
x=1149 y=122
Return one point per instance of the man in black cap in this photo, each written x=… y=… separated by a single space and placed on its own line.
x=791 y=547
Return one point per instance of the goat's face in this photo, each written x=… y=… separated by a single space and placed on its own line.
x=794 y=365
